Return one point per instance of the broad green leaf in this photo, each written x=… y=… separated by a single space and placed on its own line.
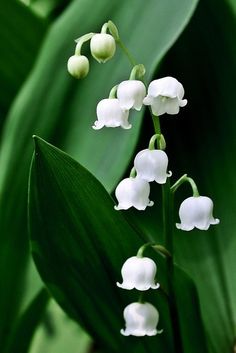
x=58 y=334
x=79 y=243
x=61 y=109
x=21 y=33
x=20 y=339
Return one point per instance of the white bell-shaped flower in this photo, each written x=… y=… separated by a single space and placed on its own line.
x=133 y=192
x=165 y=95
x=110 y=114
x=152 y=165
x=141 y=319
x=196 y=211
x=131 y=94
x=139 y=273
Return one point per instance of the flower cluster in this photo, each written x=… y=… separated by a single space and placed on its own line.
x=164 y=96
x=149 y=165
x=102 y=48
x=141 y=318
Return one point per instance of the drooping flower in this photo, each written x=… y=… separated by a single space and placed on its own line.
x=165 y=95
x=133 y=192
x=103 y=47
x=110 y=114
x=130 y=94
x=78 y=66
x=196 y=211
x=152 y=165
x=139 y=273
x=141 y=319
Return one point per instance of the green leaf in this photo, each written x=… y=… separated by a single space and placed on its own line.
x=79 y=243
x=20 y=339
x=21 y=33
x=59 y=108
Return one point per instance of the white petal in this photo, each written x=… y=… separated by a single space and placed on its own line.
x=133 y=192
x=196 y=212
x=165 y=96
x=167 y=87
x=130 y=94
x=183 y=102
x=138 y=273
x=158 y=105
x=152 y=165
x=110 y=114
x=172 y=106
x=141 y=319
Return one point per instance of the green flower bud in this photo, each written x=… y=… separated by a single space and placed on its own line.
x=103 y=47
x=78 y=66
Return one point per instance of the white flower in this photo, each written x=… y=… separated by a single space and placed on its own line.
x=133 y=192
x=110 y=114
x=131 y=94
x=103 y=47
x=139 y=273
x=78 y=66
x=151 y=165
x=196 y=211
x=165 y=96
x=141 y=319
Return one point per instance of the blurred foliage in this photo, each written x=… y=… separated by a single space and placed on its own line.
x=47 y=9
x=21 y=33
x=200 y=142
x=57 y=333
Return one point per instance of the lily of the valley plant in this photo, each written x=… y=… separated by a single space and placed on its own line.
x=164 y=96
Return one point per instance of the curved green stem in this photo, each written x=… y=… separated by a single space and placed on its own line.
x=126 y=51
x=137 y=72
x=104 y=28
x=112 y=93
x=80 y=41
x=194 y=187
x=182 y=180
x=143 y=248
x=161 y=143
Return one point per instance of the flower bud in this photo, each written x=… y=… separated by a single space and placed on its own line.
x=78 y=66
x=133 y=192
x=151 y=165
x=139 y=273
x=103 y=47
x=196 y=211
x=141 y=319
